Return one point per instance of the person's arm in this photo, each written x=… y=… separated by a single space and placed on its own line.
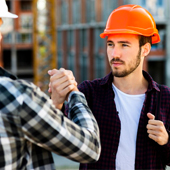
x=167 y=149
x=159 y=129
x=86 y=88
x=47 y=127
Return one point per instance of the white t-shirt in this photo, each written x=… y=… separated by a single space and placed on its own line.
x=129 y=108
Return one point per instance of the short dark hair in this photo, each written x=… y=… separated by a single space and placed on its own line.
x=143 y=40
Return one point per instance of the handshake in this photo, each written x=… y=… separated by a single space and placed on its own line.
x=62 y=82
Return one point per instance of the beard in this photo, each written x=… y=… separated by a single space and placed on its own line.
x=131 y=66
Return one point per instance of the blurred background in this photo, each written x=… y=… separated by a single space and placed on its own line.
x=65 y=33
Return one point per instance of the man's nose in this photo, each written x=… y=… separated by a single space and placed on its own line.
x=115 y=52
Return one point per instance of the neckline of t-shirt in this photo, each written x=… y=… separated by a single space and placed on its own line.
x=129 y=95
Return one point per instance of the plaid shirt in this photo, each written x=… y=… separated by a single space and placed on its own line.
x=31 y=127
x=100 y=97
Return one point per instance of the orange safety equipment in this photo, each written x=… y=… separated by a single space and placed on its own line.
x=131 y=19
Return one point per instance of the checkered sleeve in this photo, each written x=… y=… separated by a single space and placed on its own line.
x=47 y=127
x=84 y=120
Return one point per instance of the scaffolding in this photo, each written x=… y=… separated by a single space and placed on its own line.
x=45 y=46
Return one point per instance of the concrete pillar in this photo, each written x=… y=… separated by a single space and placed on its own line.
x=13 y=49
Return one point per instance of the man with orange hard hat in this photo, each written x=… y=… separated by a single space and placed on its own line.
x=132 y=110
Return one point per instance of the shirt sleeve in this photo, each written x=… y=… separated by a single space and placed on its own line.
x=77 y=99
x=47 y=127
x=166 y=149
x=86 y=89
x=165 y=99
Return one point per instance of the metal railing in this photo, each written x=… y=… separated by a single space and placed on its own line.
x=20 y=38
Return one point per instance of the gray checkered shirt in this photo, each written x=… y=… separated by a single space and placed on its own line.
x=31 y=128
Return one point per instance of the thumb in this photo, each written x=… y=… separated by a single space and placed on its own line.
x=52 y=72
x=151 y=116
x=62 y=69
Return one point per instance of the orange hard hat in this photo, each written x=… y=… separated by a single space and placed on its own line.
x=131 y=19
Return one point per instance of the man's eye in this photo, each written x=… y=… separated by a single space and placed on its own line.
x=124 y=45
x=109 y=44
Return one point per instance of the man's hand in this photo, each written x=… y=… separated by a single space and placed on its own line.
x=156 y=130
x=62 y=82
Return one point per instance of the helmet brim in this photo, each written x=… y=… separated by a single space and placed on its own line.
x=155 y=36
x=8 y=15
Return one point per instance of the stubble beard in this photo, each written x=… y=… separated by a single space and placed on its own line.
x=131 y=66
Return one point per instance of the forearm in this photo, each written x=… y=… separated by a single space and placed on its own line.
x=80 y=113
x=58 y=134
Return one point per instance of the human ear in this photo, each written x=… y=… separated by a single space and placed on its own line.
x=146 y=49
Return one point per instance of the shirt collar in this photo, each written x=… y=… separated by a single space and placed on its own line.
x=5 y=73
x=107 y=80
x=152 y=84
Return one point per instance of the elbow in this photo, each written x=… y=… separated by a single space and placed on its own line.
x=94 y=155
x=88 y=153
x=97 y=150
x=93 y=159
x=97 y=156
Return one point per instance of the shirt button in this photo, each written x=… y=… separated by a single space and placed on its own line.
x=114 y=153
x=118 y=132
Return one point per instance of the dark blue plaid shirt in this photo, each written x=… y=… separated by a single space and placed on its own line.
x=100 y=97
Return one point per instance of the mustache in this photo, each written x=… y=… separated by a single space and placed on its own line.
x=116 y=59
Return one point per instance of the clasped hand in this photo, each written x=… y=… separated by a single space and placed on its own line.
x=62 y=82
